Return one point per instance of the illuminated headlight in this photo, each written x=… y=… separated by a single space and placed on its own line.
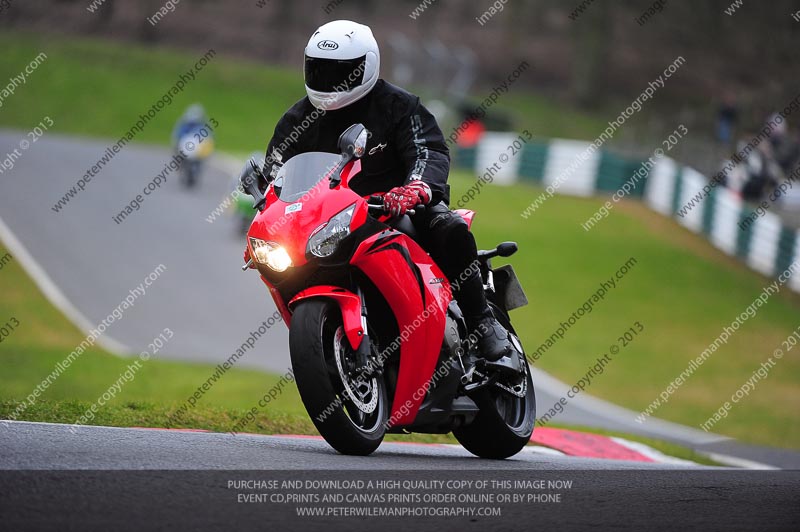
x=270 y=254
x=324 y=242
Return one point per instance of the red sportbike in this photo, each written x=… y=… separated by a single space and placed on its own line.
x=377 y=342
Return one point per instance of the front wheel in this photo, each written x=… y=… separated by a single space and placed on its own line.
x=504 y=425
x=350 y=413
x=190 y=171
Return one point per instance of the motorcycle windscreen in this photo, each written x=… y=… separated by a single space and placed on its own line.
x=302 y=172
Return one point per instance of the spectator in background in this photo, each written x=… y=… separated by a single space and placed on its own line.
x=794 y=167
x=193 y=140
x=472 y=126
x=784 y=148
x=727 y=118
x=757 y=175
x=736 y=178
x=193 y=118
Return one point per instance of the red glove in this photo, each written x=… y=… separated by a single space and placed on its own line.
x=400 y=200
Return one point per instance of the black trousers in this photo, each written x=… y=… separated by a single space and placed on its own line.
x=446 y=237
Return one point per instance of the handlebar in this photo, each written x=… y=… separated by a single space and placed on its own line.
x=375 y=204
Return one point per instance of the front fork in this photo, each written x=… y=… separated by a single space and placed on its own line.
x=364 y=348
x=354 y=315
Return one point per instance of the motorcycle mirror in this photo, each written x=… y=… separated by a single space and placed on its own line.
x=250 y=178
x=506 y=249
x=353 y=142
x=352 y=145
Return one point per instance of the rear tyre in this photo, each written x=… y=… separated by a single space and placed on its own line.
x=350 y=414
x=504 y=425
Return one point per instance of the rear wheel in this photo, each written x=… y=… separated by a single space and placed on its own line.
x=504 y=425
x=350 y=413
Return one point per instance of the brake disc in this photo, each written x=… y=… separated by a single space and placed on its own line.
x=352 y=390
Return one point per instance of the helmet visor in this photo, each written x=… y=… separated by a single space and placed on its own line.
x=334 y=75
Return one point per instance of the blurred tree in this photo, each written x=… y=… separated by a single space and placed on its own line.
x=592 y=39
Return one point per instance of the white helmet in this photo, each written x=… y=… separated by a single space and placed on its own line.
x=195 y=113
x=342 y=62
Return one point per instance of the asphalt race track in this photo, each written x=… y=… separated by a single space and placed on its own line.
x=51 y=446
x=47 y=479
x=202 y=296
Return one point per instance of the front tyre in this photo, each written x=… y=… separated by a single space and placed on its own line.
x=350 y=413
x=190 y=171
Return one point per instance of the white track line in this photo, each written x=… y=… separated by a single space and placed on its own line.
x=650 y=452
x=53 y=293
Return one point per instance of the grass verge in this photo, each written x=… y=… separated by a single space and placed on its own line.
x=681 y=289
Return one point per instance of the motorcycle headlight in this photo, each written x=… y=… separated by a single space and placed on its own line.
x=269 y=254
x=325 y=240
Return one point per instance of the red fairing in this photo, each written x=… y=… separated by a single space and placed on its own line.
x=418 y=293
x=414 y=287
x=349 y=303
x=467 y=215
x=350 y=170
x=291 y=224
x=282 y=308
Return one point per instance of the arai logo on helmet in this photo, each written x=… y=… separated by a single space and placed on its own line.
x=327 y=45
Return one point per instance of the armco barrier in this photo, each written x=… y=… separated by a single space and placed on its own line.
x=766 y=245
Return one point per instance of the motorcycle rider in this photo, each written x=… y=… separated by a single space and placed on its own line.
x=193 y=118
x=406 y=157
x=193 y=141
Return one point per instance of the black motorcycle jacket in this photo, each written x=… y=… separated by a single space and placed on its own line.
x=404 y=141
